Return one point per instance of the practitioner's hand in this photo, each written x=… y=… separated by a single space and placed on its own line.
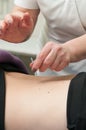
x=16 y=27
x=53 y=56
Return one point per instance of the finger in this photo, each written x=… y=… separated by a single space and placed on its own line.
x=48 y=60
x=3 y=28
x=65 y=60
x=41 y=57
x=31 y=64
x=59 y=57
x=12 y=20
x=55 y=64
x=34 y=70
x=60 y=62
x=26 y=19
x=26 y=25
x=8 y=19
x=36 y=64
x=0 y=31
x=62 y=65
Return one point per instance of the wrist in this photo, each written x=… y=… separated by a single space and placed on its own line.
x=77 y=48
x=72 y=49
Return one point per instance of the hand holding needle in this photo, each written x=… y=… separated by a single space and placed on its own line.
x=32 y=61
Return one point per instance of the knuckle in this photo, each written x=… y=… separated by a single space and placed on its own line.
x=58 y=49
x=46 y=63
x=50 y=44
x=40 y=56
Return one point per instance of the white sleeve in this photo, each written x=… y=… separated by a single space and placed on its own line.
x=29 y=4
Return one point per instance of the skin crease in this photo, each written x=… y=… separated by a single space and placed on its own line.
x=54 y=55
x=35 y=103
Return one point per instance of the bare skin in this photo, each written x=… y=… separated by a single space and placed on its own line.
x=36 y=103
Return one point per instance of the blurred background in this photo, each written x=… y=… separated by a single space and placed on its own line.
x=5 y=7
x=30 y=48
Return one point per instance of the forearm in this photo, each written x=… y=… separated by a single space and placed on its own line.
x=38 y=104
x=77 y=48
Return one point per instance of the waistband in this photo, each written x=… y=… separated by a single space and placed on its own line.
x=2 y=100
x=76 y=103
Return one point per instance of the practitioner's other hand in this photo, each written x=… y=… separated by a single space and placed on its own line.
x=53 y=56
x=16 y=27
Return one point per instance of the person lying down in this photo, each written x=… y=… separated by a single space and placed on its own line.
x=39 y=103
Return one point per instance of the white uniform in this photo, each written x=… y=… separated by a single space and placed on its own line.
x=66 y=19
